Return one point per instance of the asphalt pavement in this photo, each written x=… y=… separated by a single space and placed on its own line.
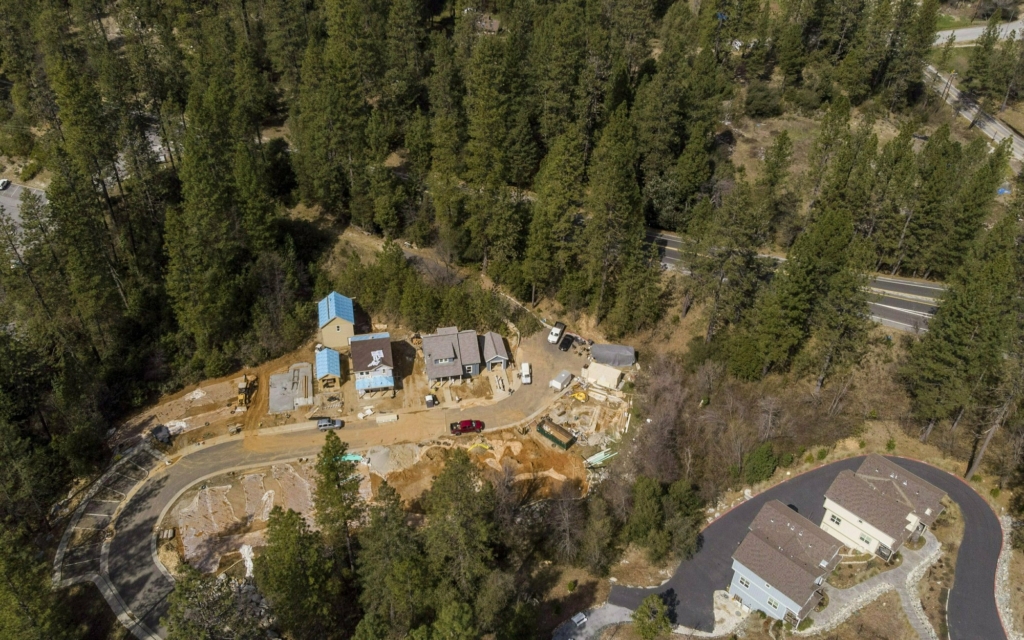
x=10 y=200
x=972 y=605
x=899 y=303
x=972 y=33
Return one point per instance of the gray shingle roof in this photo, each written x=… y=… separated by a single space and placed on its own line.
x=893 y=481
x=787 y=551
x=861 y=498
x=469 y=347
x=494 y=347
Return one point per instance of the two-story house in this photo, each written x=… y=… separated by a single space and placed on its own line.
x=373 y=364
x=450 y=354
x=337 y=320
x=880 y=506
x=782 y=562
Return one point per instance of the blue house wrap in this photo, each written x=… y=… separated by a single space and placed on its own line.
x=328 y=363
x=334 y=306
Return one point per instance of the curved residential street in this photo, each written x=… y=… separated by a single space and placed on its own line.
x=140 y=587
x=972 y=612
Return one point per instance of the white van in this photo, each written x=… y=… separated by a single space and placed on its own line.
x=526 y=373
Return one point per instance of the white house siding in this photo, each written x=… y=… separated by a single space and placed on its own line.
x=757 y=594
x=851 y=527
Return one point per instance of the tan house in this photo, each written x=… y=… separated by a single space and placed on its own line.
x=881 y=506
x=337 y=321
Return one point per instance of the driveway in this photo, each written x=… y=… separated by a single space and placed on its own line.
x=144 y=587
x=972 y=604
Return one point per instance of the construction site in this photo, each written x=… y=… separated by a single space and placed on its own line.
x=216 y=525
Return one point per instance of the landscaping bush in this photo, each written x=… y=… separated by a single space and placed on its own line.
x=30 y=171
x=760 y=464
x=804 y=624
x=976 y=478
x=571 y=586
x=890 y=444
x=822 y=453
x=994 y=492
x=862 y=443
x=786 y=459
x=809 y=459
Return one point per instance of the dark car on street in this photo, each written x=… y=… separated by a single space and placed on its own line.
x=466 y=426
x=566 y=342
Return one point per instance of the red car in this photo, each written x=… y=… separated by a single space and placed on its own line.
x=466 y=426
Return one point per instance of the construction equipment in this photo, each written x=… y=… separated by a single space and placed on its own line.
x=581 y=396
x=246 y=390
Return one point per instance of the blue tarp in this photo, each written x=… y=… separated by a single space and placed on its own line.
x=367 y=383
x=334 y=306
x=328 y=363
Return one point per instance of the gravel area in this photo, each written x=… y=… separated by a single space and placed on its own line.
x=1003 y=585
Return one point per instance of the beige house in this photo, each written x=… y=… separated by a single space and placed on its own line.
x=881 y=506
x=337 y=321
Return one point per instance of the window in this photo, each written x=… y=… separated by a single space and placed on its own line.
x=744 y=582
x=444 y=360
x=773 y=603
x=469 y=368
x=337 y=327
x=865 y=539
x=836 y=520
x=767 y=586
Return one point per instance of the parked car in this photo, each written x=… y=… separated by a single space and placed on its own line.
x=579 y=619
x=526 y=373
x=566 y=343
x=556 y=332
x=431 y=401
x=326 y=424
x=466 y=426
x=4 y=183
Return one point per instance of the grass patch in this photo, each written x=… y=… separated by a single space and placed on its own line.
x=849 y=574
x=946 y=22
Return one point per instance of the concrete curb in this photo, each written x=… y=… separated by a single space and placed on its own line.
x=76 y=517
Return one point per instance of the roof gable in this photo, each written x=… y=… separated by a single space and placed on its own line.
x=494 y=347
x=860 y=498
x=328 y=362
x=788 y=551
x=373 y=353
x=334 y=306
x=895 y=482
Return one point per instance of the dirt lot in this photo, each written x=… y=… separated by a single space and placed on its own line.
x=934 y=587
x=527 y=457
x=215 y=518
x=635 y=570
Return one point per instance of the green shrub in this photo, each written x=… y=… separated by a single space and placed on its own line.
x=762 y=101
x=804 y=624
x=976 y=478
x=863 y=443
x=30 y=171
x=890 y=444
x=571 y=586
x=872 y=415
x=760 y=464
x=822 y=453
x=994 y=492
x=809 y=459
x=786 y=459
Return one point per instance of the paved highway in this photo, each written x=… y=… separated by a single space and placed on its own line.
x=970 y=34
x=973 y=614
x=992 y=127
x=899 y=303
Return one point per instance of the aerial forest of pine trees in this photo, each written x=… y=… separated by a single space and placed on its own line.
x=202 y=158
